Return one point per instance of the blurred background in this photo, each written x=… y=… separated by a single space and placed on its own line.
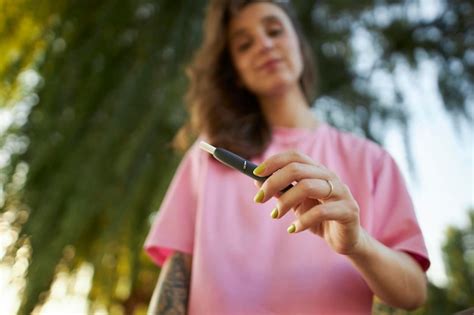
x=91 y=94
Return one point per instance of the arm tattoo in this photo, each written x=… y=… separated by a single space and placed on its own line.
x=172 y=290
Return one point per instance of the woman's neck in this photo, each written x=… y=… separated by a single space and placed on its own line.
x=289 y=109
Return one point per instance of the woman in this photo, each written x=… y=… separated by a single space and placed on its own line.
x=351 y=232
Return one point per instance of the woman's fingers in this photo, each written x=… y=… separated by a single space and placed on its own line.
x=299 y=173
x=277 y=161
x=321 y=202
x=334 y=211
x=314 y=189
x=317 y=195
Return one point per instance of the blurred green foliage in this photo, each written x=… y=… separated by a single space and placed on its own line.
x=95 y=91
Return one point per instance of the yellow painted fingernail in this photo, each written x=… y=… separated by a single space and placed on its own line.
x=291 y=229
x=274 y=213
x=259 y=169
x=259 y=196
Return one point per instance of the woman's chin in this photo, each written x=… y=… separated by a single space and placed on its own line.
x=278 y=88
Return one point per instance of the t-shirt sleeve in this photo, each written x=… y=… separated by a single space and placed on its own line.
x=397 y=226
x=173 y=226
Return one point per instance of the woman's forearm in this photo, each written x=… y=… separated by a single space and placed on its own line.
x=172 y=290
x=392 y=275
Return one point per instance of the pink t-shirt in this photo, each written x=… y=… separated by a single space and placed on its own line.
x=245 y=262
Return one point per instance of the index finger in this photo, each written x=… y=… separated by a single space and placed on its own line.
x=277 y=161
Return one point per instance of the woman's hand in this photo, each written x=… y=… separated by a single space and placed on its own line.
x=325 y=206
x=321 y=202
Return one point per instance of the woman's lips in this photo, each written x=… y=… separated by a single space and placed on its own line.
x=270 y=64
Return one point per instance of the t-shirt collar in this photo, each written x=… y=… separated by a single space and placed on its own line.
x=287 y=135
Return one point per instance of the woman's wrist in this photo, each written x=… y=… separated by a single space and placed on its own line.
x=361 y=249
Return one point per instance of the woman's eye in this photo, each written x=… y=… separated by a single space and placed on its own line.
x=243 y=46
x=275 y=32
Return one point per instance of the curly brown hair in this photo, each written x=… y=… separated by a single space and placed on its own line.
x=220 y=108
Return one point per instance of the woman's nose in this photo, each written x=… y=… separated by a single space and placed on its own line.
x=265 y=43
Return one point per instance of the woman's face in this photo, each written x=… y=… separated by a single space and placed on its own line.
x=265 y=49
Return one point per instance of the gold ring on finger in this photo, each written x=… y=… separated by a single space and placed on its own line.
x=331 y=189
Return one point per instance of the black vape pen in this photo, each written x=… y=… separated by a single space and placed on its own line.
x=236 y=162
